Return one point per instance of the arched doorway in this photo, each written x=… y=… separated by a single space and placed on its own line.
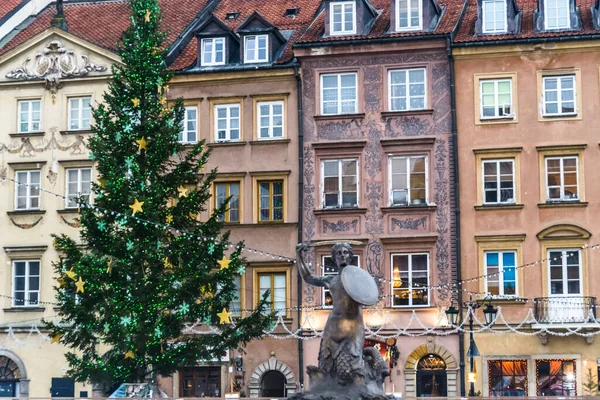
x=411 y=368
x=10 y=375
x=273 y=384
x=431 y=377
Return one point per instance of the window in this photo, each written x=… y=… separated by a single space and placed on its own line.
x=26 y=283
x=342 y=18
x=562 y=178
x=557 y=14
x=29 y=115
x=275 y=283
x=498 y=182
x=407 y=89
x=79 y=183
x=494 y=16
x=235 y=306
x=330 y=268
x=410 y=280
x=80 y=113
x=222 y=191
x=408 y=15
x=565 y=272
x=338 y=94
x=189 y=126
x=501 y=273
x=227 y=122
x=339 y=183
x=213 y=51
x=27 y=190
x=408 y=180
x=556 y=378
x=270 y=201
x=496 y=98
x=256 y=49
x=559 y=95
x=507 y=378
x=270 y=120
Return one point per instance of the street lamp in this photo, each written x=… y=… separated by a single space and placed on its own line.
x=452 y=313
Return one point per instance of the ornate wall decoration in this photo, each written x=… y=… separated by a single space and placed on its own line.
x=374 y=257
x=409 y=223
x=73 y=224
x=374 y=217
x=52 y=64
x=442 y=195
x=29 y=147
x=339 y=226
x=25 y=226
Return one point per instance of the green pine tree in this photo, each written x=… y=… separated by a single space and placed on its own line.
x=146 y=268
x=590 y=386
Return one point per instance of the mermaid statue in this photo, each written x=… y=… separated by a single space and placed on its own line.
x=346 y=369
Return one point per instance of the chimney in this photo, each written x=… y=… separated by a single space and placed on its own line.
x=59 y=19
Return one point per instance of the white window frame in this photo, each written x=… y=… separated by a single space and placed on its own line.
x=68 y=195
x=410 y=255
x=407 y=89
x=28 y=185
x=271 y=125
x=559 y=100
x=340 y=176
x=564 y=276
x=27 y=291
x=228 y=118
x=324 y=291
x=500 y=276
x=409 y=27
x=79 y=117
x=498 y=188
x=408 y=183
x=562 y=179
x=496 y=115
x=494 y=4
x=568 y=16
x=30 y=121
x=342 y=5
x=213 y=54
x=256 y=58
x=238 y=298
x=184 y=135
x=339 y=93
x=278 y=311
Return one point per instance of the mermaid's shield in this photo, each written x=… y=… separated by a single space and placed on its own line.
x=360 y=285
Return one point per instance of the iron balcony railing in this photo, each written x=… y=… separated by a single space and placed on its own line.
x=573 y=309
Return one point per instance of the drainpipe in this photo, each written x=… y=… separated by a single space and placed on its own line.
x=461 y=335
x=300 y=217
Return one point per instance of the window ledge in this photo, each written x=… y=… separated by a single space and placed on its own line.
x=68 y=211
x=350 y=210
x=553 y=116
x=24 y=309
x=76 y=132
x=261 y=224
x=411 y=208
x=563 y=204
x=26 y=212
x=488 y=207
x=226 y=144
x=503 y=300
x=407 y=113
x=26 y=134
x=269 y=141
x=338 y=116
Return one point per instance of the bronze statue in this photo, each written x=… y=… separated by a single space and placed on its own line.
x=346 y=370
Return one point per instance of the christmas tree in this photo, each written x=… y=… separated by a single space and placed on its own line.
x=146 y=265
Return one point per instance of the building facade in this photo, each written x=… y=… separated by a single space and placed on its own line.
x=527 y=89
x=377 y=156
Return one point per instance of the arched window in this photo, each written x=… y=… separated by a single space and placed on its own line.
x=9 y=377
x=273 y=384
x=431 y=362
x=431 y=376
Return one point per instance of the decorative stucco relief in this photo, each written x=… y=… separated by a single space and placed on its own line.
x=340 y=226
x=409 y=223
x=27 y=147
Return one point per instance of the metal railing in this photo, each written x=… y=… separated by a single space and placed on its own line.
x=557 y=310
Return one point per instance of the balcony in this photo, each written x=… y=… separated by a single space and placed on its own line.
x=565 y=310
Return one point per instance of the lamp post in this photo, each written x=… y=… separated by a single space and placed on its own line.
x=453 y=314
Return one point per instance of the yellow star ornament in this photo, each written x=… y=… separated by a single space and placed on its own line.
x=79 y=284
x=61 y=282
x=136 y=102
x=142 y=144
x=129 y=354
x=137 y=206
x=147 y=16
x=167 y=263
x=224 y=263
x=56 y=338
x=182 y=191
x=71 y=274
x=109 y=266
x=224 y=317
x=169 y=219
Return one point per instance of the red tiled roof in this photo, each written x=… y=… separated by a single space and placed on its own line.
x=103 y=22
x=7 y=6
x=381 y=26
x=466 y=30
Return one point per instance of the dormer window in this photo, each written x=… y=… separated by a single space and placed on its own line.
x=409 y=15
x=494 y=16
x=556 y=14
x=213 y=51
x=256 y=48
x=342 y=18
